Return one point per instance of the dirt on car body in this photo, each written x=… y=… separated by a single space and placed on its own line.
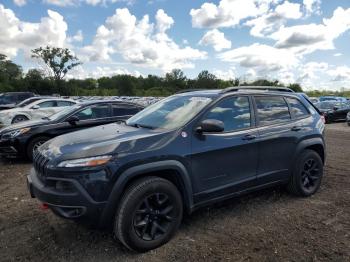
x=266 y=226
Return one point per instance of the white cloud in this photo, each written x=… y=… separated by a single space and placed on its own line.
x=312 y=6
x=340 y=73
x=17 y=34
x=338 y=54
x=80 y=72
x=261 y=57
x=311 y=37
x=141 y=42
x=228 y=13
x=229 y=74
x=273 y=20
x=78 y=37
x=289 y=10
x=216 y=39
x=64 y=3
x=311 y=70
x=20 y=2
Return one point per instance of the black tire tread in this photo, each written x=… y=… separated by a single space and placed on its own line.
x=293 y=185
x=129 y=194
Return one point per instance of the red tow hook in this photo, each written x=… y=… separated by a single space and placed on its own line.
x=44 y=206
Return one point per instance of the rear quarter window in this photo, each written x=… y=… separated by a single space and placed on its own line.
x=298 y=110
x=271 y=110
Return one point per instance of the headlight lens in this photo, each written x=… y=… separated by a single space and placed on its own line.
x=86 y=162
x=15 y=133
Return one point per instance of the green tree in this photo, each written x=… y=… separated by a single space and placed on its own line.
x=296 y=87
x=175 y=80
x=206 y=80
x=9 y=71
x=58 y=62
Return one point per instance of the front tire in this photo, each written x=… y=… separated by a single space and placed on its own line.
x=149 y=214
x=307 y=174
x=18 y=119
x=34 y=144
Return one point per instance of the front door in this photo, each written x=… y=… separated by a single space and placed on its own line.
x=225 y=162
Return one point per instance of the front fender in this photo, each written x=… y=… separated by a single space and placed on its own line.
x=137 y=171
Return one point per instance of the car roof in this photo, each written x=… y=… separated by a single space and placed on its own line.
x=92 y=102
x=238 y=89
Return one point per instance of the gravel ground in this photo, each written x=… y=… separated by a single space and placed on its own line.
x=266 y=226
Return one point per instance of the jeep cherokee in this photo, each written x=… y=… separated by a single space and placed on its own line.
x=186 y=151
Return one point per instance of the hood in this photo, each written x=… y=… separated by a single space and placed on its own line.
x=12 y=110
x=24 y=124
x=106 y=139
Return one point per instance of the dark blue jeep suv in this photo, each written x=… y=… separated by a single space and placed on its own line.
x=186 y=151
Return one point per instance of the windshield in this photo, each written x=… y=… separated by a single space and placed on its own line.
x=28 y=101
x=172 y=112
x=7 y=99
x=63 y=113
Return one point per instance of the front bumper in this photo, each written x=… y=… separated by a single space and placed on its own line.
x=10 y=148
x=65 y=197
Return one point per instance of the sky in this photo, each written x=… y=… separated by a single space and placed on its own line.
x=299 y=41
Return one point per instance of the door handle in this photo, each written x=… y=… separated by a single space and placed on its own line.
x=296 y=128
x=249 y=137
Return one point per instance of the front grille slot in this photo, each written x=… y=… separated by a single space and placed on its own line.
x=40 y=164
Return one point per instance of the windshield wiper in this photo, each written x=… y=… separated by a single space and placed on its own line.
x=141 y=125
x=45 y=118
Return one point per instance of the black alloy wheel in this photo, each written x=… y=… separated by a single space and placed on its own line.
x=310 y=175
x=154 y=216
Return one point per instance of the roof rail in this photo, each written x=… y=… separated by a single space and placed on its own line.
x=261 y=88
x=189 y=90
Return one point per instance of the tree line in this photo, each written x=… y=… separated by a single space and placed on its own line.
x=57 y=62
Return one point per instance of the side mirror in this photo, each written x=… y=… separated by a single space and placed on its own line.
x=35 y=107
x=72 y=120
x=210 y=126
x=335 y=108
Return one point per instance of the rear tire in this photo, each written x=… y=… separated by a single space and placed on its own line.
x=18 y=119
x=34 y=144
x=149 y=214
x=307 y=174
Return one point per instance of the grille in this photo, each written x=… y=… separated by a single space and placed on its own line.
x=40 y=164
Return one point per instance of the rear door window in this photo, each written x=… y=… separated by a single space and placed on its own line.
x=298 y=110
x=124 y=110
x=271 y=110
x=94 y=112
x=47 y=104
x=64 y=103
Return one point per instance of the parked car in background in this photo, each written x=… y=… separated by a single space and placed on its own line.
x=31 y=100
x=21 y=139
x=314 y=100
x=333 y=111
x=11 y=99
x=184 y=152
x=35 y=110
x=332 y=98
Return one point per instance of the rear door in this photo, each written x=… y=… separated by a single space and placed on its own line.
x=277 y=138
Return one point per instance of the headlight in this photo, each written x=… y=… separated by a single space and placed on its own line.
x=15 y=133
x=86 y=162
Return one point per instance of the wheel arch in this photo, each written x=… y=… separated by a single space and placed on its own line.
x=315 y=144
x=21 y=114
x=171 y=170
